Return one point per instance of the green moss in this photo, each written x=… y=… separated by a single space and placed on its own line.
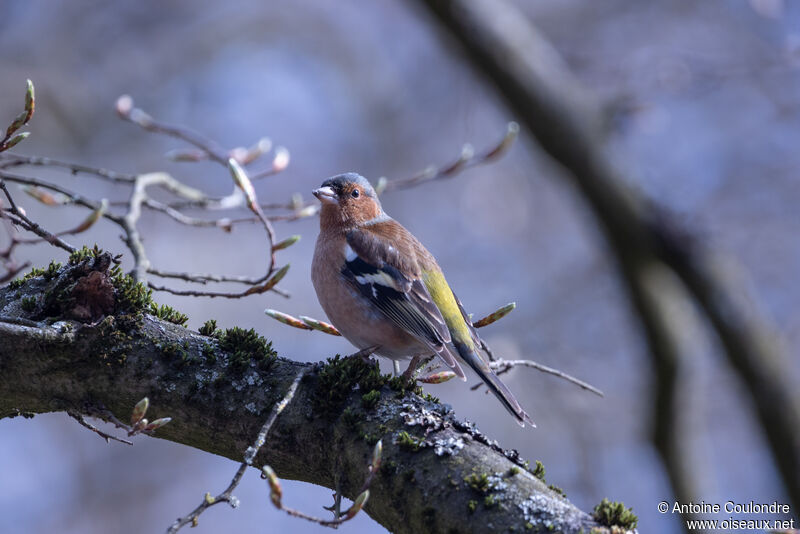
x=370 y=439
x=78 y=255
x=369 y=400
x=245 y=346
x=351 y=418
x=209 y=327
x=52 y=270
x=407 y=442
x=18 y=282
x=401 y=385
x=339 y=376
x=491 y=500
x=29 y=304
x=472 y=506
x=430 y=398
x=132 y=296
x=168 y=313
x=512 y=471
x=613 y=514
x=528 y=526
x=479 y=482
x=209 y=352
x=84 y=253
x=558 y=490
x=539 y=471
x=176 y=351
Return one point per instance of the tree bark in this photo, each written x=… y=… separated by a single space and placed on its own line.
x=438 y=474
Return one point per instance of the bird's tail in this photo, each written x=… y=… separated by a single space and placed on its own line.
x=495 y=385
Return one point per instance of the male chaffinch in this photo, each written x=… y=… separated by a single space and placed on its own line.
x=381 y=288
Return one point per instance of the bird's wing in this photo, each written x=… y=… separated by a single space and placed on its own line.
x=392 y=282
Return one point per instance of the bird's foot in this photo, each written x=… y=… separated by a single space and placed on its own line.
x=364 y=353
x=416 y=365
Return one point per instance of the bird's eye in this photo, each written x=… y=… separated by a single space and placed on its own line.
x=355 y=193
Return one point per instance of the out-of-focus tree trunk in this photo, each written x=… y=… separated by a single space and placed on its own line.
x=502 y=44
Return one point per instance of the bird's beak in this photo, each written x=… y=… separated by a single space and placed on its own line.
x=325 y=195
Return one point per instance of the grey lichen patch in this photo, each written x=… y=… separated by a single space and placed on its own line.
x=248 y=380
x=204 y=377
x=497 y=482
x=447 y=446
x=414 y=414
x=550 y=513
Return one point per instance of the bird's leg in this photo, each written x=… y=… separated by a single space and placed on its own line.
x=418 y=363
x=396 y=365
x=410 y=373
x=364 y=353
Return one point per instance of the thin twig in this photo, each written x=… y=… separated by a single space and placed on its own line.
x=74 y=198
x=138 y=117
x=255 y=290
x=83 y=422
x=17 y=217
x=249 y=456
x=18 y=160
x=466 y=160
x=127 y=111
x=203 y=278
x=503 y=366
x=276 y=494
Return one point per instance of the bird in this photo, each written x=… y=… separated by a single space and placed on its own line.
x=384 y=292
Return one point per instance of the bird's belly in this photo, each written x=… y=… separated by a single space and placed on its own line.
x=363 y=325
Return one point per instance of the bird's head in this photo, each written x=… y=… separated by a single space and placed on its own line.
x=348 y=200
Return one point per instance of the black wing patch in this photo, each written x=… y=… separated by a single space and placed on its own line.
x=406 y=302
x=376 y=269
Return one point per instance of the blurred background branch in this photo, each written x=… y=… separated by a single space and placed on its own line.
x=526 y=70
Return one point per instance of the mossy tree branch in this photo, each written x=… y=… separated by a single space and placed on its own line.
x=437 y=474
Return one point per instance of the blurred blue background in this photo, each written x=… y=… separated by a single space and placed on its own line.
x=710 y=100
